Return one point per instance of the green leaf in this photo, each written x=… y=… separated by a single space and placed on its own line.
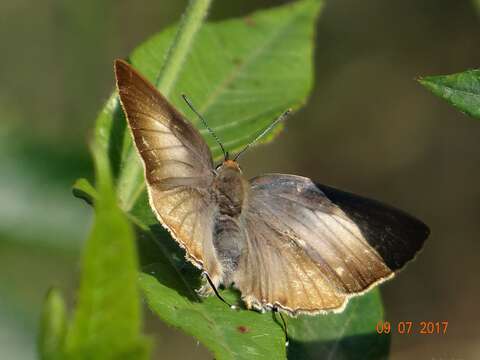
x=52 y=327
x=462 y=90
x=107 y=319
x=341 y=336
x=240 y=74
x=229 y=334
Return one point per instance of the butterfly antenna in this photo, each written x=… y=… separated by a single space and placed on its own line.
x=217 y=293
x=225 y=154
x=265 y=131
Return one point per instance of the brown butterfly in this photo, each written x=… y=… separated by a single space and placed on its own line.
x=285 y=242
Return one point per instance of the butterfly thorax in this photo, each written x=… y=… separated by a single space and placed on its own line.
x=230 y=191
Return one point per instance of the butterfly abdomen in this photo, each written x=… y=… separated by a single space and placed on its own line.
x=229 y=243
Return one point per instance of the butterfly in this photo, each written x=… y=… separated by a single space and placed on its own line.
x=284 y=241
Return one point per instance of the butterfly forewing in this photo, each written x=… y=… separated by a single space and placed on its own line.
x=177 y=161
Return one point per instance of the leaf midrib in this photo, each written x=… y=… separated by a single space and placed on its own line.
x=237 y=70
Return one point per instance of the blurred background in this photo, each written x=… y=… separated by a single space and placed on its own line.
x=368 y=128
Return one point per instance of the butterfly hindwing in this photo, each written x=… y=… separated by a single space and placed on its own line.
x=306 y=254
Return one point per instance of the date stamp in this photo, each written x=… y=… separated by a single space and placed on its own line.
x=385 y=327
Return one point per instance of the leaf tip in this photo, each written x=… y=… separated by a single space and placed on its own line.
x=427 y=82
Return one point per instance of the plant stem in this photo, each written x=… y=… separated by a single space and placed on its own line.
x=191 y=22
x=189 y=25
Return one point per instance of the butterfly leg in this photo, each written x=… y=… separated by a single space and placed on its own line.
x=284 y=323
x=209 y=284
x=209 y=288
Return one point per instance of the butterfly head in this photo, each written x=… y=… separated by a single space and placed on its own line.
x=229 y=165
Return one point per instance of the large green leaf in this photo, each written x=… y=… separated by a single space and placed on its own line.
x=240 y=74
x=462 y=90
x=107 y=319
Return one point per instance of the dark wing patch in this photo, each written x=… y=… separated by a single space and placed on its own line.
x=396 y=235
